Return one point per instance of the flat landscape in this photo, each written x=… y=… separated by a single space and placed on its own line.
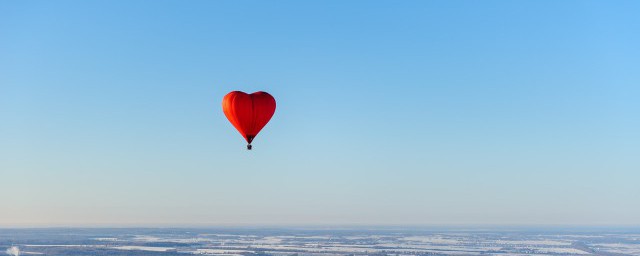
x=303 y=241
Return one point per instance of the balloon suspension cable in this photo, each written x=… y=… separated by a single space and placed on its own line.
x=249 y=146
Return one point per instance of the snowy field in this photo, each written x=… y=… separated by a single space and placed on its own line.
x=325 y=242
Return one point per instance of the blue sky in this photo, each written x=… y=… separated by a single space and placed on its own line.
x=389 y=113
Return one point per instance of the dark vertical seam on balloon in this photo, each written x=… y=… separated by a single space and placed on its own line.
x=253 y=119
x=234 y=114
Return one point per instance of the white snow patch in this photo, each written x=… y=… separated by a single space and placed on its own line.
x=144 y=248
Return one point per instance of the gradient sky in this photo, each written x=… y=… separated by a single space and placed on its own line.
x=389 y=113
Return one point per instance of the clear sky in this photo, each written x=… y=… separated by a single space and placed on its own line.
x=389 y=112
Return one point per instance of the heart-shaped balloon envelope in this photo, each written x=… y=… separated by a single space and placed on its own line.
x=248 y=113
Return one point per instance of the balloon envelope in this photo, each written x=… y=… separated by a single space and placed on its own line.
x=248 y=113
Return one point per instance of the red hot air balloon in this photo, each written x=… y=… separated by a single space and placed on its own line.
x=248 y=112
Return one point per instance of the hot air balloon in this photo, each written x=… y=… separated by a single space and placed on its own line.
x=248 y=113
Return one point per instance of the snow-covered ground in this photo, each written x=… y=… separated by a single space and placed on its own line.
x=630 y=249
x=144 y=248
x=326 y=243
